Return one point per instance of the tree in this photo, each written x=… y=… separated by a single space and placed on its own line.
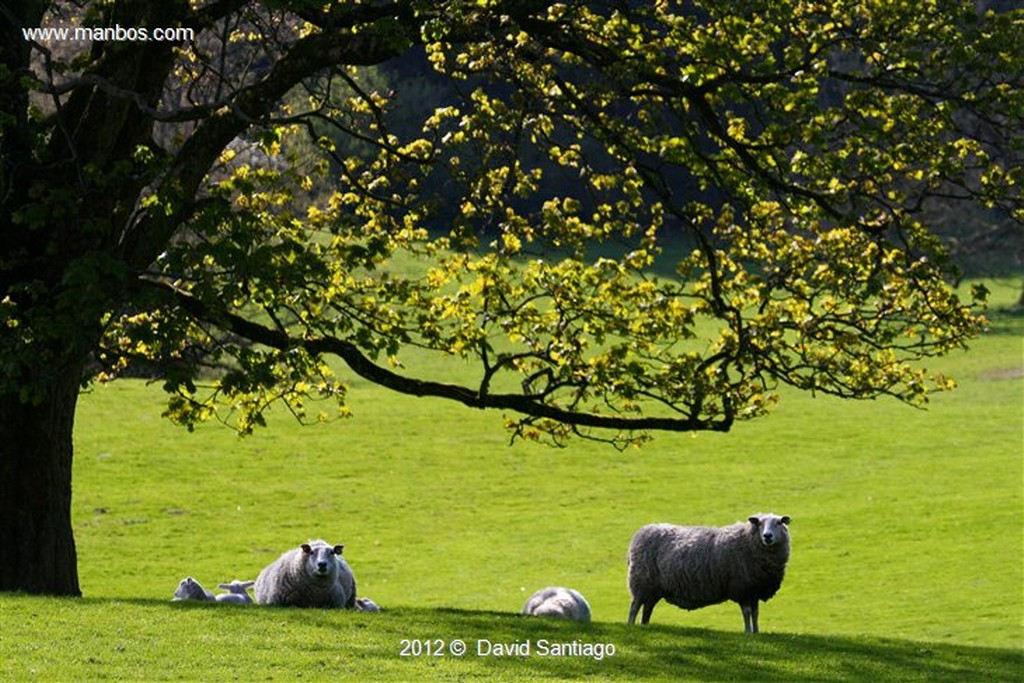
x=157 y=210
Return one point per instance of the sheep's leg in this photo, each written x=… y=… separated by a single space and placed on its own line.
x=750 y=611
x=648 y=607
x=645 y=618
x=634 y=607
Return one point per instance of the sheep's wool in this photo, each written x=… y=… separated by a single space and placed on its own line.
x=556 y=601
x=693 y=567
x=295 y=579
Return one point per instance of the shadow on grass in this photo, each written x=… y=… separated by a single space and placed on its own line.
x=669 y=652
x=1006 y=321
x=371 y=646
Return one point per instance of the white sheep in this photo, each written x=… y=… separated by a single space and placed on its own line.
x=237 y=592
x=311 y=575
x=366 y=605
x=693 y=567
x=190 y=589
x=556 y=601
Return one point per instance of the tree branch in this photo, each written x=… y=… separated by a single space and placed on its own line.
x=145 y=238
x=370 y=371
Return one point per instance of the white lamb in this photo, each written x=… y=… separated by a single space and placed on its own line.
x=237 y=592
x=366 y=605
x=311 y=575
x=556 y=601
x=190 y=589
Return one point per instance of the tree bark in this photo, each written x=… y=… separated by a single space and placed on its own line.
x=37 y=545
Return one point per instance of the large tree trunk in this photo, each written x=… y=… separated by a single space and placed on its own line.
x=37 y=544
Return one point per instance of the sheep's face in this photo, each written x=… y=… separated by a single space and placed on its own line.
x=771 y=529
x=189 y=589
x=320 y=559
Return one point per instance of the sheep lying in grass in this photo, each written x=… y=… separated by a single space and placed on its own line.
x=366 y=605
x=556 y=601
x=693 y=567
x=311 y=575
x=237 y=592
x=190 y=589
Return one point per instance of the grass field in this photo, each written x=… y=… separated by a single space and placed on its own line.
x=908 y=553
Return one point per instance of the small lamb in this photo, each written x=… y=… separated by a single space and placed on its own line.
x=237 y=592
x=190 y=589
x=311 y=575
x=556 y=601
x=366 y=605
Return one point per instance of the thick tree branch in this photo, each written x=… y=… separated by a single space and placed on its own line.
x=368 y=370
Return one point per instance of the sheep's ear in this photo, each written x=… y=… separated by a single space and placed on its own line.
x=306 y=549
x=755 y=520
x=338 y=548
x=785 y=519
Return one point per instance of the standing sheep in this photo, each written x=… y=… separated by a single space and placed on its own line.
x=557 y=601
x=312 y=575
x=693 y=567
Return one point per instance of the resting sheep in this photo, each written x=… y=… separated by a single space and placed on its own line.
x=237 y=592
x=311 y=575
x=693 y=567
x=190 y=589
x=556 y=601
x=366 y=605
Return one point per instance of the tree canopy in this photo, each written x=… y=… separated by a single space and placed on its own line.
x=627 y=216
x=792 y=144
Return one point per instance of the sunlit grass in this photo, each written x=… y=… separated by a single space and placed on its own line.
x=906 y=561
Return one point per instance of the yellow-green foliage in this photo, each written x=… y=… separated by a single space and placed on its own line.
x=790 y=145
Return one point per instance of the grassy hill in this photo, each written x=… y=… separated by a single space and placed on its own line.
x=906 y=565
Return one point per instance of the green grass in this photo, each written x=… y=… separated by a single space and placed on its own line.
x=153 y=640
x=907 y=540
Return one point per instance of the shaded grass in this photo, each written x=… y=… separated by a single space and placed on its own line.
x=156 y=641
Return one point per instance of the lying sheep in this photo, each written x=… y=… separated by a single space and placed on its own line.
x=237 y=592
x=556 y=601
x=311 y=575
x=366 y=605
x=693 y=567
x=190 y=589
